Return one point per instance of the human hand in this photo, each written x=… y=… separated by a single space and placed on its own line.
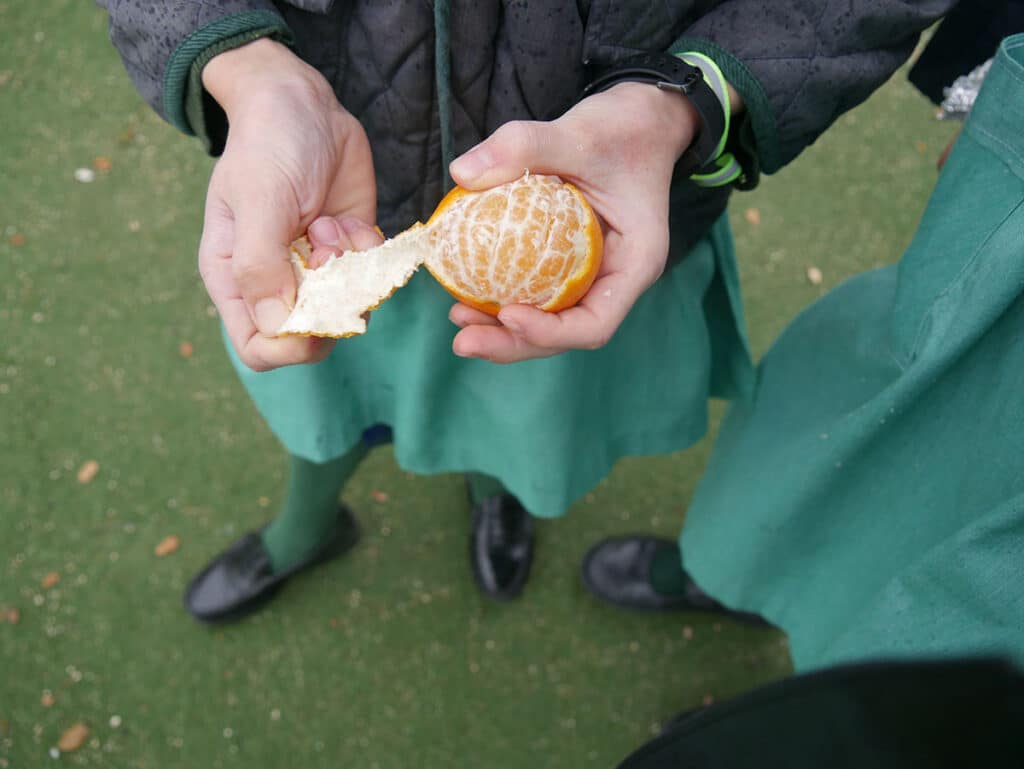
x=619 y=148
x=293 y=154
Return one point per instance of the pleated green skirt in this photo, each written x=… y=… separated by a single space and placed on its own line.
x=549 y=429
x=870 y=498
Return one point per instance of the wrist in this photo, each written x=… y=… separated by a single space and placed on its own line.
x=736 y=104
x=687 y=81
x=666 y=116
x=235 y=77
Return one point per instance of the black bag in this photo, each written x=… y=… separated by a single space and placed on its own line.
x=920 y=715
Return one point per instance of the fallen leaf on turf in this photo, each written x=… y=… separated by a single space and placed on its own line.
x=708 y=700
x=753 y=216
x=814 y=276
x=102 y=164
x=126 y=136
x=88 y=471
x=50 y=580
x=46 y=700
x=167 y=546
x=380 y=496
x=73 y=738
x=13 y=616
x=185 y=349
x=5 y=727
x=17 y=239
x=687 y=632
x=921 y=147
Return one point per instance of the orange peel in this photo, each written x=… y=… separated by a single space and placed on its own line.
x=532 y=241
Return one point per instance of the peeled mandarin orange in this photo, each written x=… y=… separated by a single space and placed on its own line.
x=532 y=241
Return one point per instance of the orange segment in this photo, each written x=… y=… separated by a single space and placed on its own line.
x=532 y=241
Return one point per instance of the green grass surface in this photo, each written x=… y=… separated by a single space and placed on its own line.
x=389 y=658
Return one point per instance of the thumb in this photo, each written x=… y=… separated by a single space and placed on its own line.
x=516 y=147
x=264 y=228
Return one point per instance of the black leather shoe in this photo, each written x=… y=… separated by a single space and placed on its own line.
x=239 y=581
x=619 y=571
x=501 y=546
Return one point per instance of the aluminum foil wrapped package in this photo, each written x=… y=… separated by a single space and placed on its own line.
x=959 y=97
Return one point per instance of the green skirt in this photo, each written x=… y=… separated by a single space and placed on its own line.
x=549 y=429
x=870 y=498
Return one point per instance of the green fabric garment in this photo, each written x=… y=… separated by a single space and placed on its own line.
x=548 y=429
x=870 y=498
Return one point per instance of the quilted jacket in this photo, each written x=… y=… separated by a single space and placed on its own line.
x=430 y=79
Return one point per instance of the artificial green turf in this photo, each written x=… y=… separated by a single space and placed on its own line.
x=389 y=658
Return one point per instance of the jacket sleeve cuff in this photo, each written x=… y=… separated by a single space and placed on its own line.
x=187 y=105
x=755 y=134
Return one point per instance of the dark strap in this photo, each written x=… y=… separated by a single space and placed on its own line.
x=671 y=73
x=899 y=715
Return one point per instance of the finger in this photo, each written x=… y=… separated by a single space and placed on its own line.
x=217 y=272
x=540 y=147
x=215 y=252
x=588 y=326
x=256 y=351
x=265 y=225
x=327 y=239
x=326 y=232
x=463 y=315
x=262 y=353
x=354 y=189
x=318 y=257
x=497 y=344
x=361 y=234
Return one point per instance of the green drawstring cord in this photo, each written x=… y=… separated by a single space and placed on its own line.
x=443 y=72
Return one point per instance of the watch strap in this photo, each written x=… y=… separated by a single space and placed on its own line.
x=724 y=168
x=671 y=73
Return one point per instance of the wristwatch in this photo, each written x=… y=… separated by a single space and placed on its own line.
x=670 y=73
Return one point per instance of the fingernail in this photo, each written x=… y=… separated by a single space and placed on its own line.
x=325 y=231
x=269 y=315
x=511 y=325
x=461 y=349
x=472 y=164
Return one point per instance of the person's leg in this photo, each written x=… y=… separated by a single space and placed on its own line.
x=481 y=486
x=647 y=573
x=311 y=528
x=310 y=510
x=501 y=543
x=667 y=575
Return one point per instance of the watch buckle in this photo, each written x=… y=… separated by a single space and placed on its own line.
x=685 y=86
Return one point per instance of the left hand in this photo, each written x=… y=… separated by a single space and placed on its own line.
x=619 y=148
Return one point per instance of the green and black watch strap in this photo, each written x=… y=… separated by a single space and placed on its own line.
x=705 y=160
x=723 y=168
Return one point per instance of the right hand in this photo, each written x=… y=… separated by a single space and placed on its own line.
x=293 y=154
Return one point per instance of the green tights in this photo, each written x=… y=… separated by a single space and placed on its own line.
x=310 y=509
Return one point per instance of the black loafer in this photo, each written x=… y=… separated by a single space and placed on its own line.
x=619 y=571
x=239 y=581
x=501 y=546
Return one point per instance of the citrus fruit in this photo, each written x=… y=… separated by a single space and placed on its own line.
x=532 y=241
